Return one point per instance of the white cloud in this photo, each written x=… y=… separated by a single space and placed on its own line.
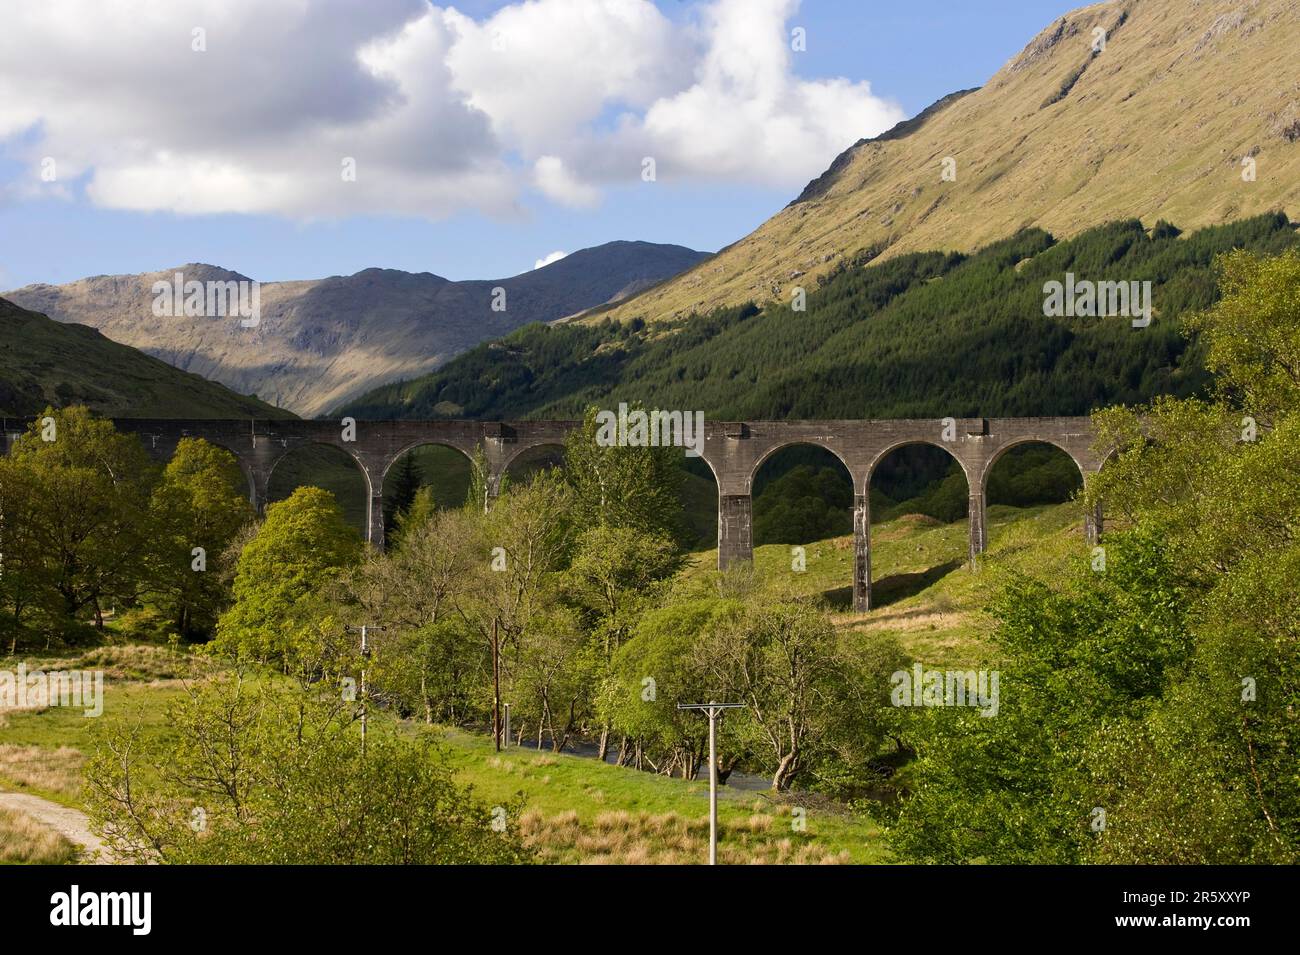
x=555 y=180
x=747 y=116
x=440 y=112
x=543 y=68
x=553 y=257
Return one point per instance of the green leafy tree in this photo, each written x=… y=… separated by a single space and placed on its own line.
x=265 y=772
x=1012 y=788
x=615 y=575
x=427 y=659
x=84 y=508
x=515 y=583
x=1251 y=333
x=1157 y=688
x=783 y=662
x=636 y=487
x=280 y=579
x=23 y=577
x=199 y=504
x=657 y=668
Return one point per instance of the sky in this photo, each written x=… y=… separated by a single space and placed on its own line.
x=291 y=139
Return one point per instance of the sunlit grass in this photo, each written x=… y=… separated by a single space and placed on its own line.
x=924 y=591
x=580 y=810
x=24 y=841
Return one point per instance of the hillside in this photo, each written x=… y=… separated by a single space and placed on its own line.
x=1155 y=126
x=323 y=341
x=920 y=335
x=44 y=362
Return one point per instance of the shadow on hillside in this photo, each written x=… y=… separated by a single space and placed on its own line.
x=839 y=598
x=898 y=587
x=891 y=589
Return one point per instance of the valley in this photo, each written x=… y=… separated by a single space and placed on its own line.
x=946 y=517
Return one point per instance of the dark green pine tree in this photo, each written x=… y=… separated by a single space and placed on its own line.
x=406 y=483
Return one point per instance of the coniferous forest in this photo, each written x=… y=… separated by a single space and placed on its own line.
x=924 y=335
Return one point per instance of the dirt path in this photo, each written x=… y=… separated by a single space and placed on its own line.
x=72 y=824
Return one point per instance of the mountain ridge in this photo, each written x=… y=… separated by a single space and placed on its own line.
x=322 y=341
x=1156 y=125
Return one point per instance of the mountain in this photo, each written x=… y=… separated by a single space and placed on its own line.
x=919 y=335
x=1155 y=125
x=44 y=362
x=321 y=342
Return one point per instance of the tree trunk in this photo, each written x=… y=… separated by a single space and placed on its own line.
x=726 y=768
x=785 y=770
x=604 y=743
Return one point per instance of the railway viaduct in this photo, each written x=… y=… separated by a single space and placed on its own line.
x=733 y=450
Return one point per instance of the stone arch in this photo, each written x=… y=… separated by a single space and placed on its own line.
x=365 y=518
x=1030 y=439
x=905 y=442
x=422 y=443
x=518 y=456
x=696 y=468
x=443 y=495
x=713 y=468
x=904 y=580
x=820 y=512
x=794 y=442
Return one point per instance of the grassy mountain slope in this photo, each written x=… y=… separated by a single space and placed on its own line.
x=1154 y=126
x=44 y=362
x=323 y=341
x=920 y=335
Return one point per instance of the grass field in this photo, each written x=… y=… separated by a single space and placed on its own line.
x=579 y=810
x=575 y=809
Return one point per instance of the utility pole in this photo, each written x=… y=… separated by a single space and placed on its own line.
x=364 y=630
x=713 y=711
x=496 y=684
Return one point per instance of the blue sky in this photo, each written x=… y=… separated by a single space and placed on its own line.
x=141 y=190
